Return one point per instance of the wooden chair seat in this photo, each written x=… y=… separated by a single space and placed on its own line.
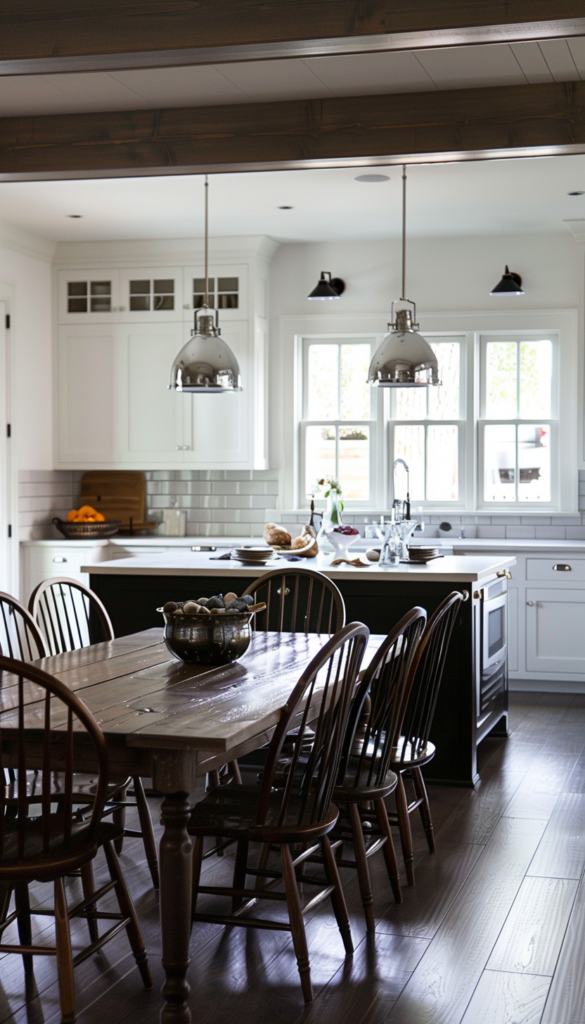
x=406 y=757
x=359 y=789
x=44 y=848
x=233 y=810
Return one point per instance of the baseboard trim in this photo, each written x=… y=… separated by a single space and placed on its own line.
x=545 y=686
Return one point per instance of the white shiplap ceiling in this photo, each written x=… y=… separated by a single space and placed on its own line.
x=490 y=197
x=558 y=60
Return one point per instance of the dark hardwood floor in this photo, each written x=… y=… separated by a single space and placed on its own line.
x=493 y=932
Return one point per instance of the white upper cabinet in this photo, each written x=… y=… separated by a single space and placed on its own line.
x=88 y=296
x=228 y=290
x=151 y=295
x=119 y=331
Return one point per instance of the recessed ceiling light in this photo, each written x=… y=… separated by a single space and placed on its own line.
x=286 y=207
x=576 y=193
x=75 y=216
x=372 y=177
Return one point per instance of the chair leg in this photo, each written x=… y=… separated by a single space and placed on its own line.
x=388 y=849
x=337 y=897
x=296 y=920
x=147 y=831
x=88 y=885
x=404 y=826
x=239 y=877
x=197 y=862
x=127 y=910
x=64 y=959
x=363 y=871
x=5 y=897
x=23 y=922
x=235 y=773
x=119 y=819
x=212 y=780
x=424 y=807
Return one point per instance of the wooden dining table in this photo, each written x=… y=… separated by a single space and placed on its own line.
x=171 y=722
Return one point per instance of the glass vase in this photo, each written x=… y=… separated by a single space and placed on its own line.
x=332 y=517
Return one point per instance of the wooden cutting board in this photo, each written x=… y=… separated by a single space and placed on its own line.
x=117 y=494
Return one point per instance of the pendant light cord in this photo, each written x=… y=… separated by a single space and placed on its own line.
x=403 y=232
x=206 y=241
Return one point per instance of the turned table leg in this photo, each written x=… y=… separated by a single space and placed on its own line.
x=175 y=907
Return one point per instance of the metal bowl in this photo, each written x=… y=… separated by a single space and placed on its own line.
x=207 y=639
x=87 y=531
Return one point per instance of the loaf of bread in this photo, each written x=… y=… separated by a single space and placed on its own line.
x=306 y=544
x=274 y=534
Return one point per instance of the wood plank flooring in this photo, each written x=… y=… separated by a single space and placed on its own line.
x=492 y=933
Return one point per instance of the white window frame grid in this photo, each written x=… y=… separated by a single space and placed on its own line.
x=562 y=324
x=462 y=422
x=552 y=421
x=374 y=423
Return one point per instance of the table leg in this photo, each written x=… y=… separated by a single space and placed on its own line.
x=175 y=907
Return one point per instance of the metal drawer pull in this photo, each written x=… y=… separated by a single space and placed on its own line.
x=59 y=558
x=504 y=572
x=183 y=447
x=562 y=567
x=530 y=604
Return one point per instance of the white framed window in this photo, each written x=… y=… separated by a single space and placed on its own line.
x=428 y=429
x=339 y=426
x=502 y=431
x=518 y=435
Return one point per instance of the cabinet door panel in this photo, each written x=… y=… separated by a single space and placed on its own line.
x=555 y=638
x=228 y=286
x=222 y=424
x=156 y=416
x=151 y=295
x=88 y=375
x=88 y=296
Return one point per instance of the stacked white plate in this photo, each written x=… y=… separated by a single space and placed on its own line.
x=253 y=555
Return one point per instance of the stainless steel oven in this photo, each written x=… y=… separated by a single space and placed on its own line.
x=493 y=677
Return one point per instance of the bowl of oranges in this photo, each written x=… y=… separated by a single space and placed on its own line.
x=86 y=523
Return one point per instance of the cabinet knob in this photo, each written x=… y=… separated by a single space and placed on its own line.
x=59 y=558
x=530 y=604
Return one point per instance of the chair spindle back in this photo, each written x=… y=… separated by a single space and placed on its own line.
x=32 y=824
x=426 y=674
x=19 y=635
x=298 y=601
x=379 y=704
x=70 y=615
x=313 y=723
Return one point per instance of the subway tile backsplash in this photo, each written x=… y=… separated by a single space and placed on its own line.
x=232 y=503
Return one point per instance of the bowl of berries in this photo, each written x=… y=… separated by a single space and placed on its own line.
x=211 y=630
x=341 y=537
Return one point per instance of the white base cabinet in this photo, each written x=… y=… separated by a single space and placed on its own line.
x=555 y=631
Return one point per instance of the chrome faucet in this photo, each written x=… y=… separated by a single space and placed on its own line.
x=402 y=507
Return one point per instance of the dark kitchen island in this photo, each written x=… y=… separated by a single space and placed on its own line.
x=133 y=588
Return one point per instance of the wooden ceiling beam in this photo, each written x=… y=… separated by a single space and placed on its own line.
x=461 y=124
x=45 y=36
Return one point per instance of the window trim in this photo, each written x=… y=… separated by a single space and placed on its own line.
x=287 y=367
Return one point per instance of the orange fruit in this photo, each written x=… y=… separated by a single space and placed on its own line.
x=72 y=516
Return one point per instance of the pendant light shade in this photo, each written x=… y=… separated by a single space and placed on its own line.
x=511 y=284
x=206 y=364
x=404 y=358
x=328 y=287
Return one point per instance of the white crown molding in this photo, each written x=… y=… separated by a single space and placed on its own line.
x=577 y=228
x=24 y=242
x=165 y=251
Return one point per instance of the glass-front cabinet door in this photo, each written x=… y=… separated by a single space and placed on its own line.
x=151 y=295
x=88 y=296
x=228 y=291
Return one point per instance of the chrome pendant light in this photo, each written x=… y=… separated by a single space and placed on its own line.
x=206 y=365
x=404 y=359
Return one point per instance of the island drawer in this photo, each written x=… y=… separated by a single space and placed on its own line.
x=563 y=568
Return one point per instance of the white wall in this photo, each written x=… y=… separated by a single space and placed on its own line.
x=442 y=273
x=26 y=284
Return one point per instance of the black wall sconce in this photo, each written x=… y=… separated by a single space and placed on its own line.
x=328 y=287
x=511 y=284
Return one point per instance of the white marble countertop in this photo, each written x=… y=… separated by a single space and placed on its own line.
x=457 y=544
x=458 y=568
